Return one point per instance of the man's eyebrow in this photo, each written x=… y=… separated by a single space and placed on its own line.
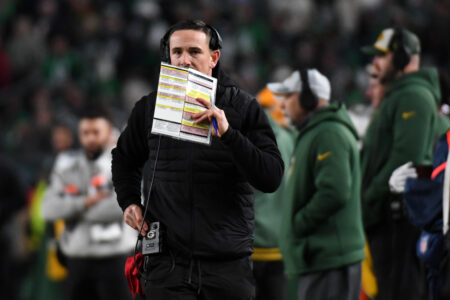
x=190 y=48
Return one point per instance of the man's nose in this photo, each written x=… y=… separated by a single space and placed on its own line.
x=186 y=60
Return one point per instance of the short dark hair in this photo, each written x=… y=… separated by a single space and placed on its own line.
x=215 y=41
x=95 y=112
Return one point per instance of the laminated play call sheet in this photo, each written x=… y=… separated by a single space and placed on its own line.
x=178 y=89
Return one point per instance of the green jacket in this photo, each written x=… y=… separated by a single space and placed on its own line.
x=443 y=124
x=268 y=206
x=403 y=129
x=322 y=226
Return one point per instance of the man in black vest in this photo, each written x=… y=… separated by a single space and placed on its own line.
x=201 y=195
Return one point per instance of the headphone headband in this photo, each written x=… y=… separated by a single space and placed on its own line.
x=401 y=52
x=308 y=100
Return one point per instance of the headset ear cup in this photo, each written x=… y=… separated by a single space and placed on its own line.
x=215 y=42
x=401 y=54
x=164 y=51
x=400 y=59
x=307 y=99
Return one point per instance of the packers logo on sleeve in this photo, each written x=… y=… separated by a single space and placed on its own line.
x=323 y=156
x=408 y=114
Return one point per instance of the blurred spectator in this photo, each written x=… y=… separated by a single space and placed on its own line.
x=5 y=66
x=26 y=48
x=62 y=138
x=95 y=241
x=360 y=112
x=375 y=90
x=268 y=268
x=61 y=64
x=46 y=279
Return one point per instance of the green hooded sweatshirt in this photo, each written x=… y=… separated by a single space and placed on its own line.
x=403 y=129
x=322 y=225
x=443 y=124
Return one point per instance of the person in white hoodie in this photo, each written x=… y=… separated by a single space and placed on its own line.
x=95 y=241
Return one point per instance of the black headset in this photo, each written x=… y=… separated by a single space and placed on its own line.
x=308 y=100
x=401 y=53
x=215 y=41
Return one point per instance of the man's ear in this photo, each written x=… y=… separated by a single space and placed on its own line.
x=215 y=55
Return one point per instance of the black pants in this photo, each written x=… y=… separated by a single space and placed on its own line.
x=99 y=279
x=342 y=283
x=444 y=276
x=399 y=273
x=270 y=280
x=169 y=278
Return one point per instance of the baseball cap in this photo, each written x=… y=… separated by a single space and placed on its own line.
x=385 y=42
x=319 y=84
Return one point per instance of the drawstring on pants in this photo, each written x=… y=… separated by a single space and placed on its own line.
x=192 y=261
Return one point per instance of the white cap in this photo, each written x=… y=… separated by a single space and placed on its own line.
x=319 y=84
